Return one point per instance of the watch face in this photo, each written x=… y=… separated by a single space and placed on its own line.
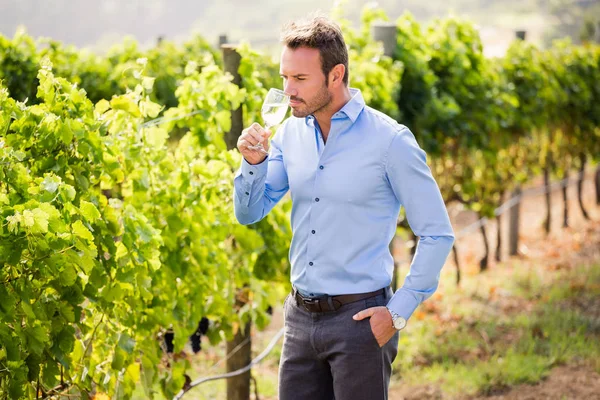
x=399 y=323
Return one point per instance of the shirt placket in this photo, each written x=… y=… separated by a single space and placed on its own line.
x=313 y=232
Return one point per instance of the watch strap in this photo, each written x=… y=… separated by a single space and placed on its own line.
x=394 y=316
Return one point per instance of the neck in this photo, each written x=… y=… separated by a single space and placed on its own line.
x=323 y=116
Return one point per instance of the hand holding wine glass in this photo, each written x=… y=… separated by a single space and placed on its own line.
x=253 y=143
x=249 y=141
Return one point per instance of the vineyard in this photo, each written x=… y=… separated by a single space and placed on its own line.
x=117 y=235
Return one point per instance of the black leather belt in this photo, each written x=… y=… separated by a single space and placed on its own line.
x=330 y=303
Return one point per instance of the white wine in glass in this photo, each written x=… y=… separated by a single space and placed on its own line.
x=273 y=112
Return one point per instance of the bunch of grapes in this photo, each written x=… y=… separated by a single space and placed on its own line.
x=195 y=338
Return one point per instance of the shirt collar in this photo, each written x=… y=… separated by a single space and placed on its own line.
x=351 y=109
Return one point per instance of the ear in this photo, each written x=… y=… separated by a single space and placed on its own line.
x=336 y=76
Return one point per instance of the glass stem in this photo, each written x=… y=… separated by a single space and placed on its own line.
x=259 y=146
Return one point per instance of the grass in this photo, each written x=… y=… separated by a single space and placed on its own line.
x=506 y=327
x=484 y=338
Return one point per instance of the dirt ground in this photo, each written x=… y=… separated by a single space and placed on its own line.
x=563 y=248
x=564 y=382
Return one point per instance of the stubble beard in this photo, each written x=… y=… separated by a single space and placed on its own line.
x=321 y=100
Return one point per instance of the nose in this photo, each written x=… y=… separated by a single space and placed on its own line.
x=289 y=89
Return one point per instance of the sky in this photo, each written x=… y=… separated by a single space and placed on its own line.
x=99 y=24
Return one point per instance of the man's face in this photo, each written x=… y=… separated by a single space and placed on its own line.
x=304 y=81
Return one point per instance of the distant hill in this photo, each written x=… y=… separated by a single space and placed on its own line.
x=98 y=24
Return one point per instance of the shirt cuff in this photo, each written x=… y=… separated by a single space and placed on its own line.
x=403 y=303
x=251 y=172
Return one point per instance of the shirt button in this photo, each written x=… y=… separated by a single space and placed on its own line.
x=313 y=231
x=247 y=193
x=321 y=167
x=310 y=263
x=251 y=173
x=317 y=199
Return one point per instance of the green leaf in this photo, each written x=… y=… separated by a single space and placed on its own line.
x=102 y=106
x=27 y=309
x=190 y=68
x=148 y=374
x=126 y=104
x=249 y=239
x=36 y=337
x=50 y=373
x=121 y=251
x=156 y=137
x=16 y=384
x=118 y=360
x=148 y=82
x=28 y=219
x=223 y=118
x=51 y=211
x=50 y=183
x=81 y=231
x=89 y=211
x=112 y=293
x=66 y=339
x=66 y=134
x=68 y=275
x=68 y=312
x=68 y=192
x=33 y=362
x=132 y=376
x=40 y=218
x=126 y=342
x=88 y=262
x=150 y=109
x=14 y=221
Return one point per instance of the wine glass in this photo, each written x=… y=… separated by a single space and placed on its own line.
x=273 y=112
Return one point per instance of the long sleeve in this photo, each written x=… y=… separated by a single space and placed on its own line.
x=257 y=188
x=416 y=189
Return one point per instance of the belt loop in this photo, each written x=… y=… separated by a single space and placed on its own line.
x=294 y=295
x=330 y=302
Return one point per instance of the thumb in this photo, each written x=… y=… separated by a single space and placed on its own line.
x=363 y=314
x=266 y=137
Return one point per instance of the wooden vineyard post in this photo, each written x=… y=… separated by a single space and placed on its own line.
x=513 y=243
x=515 y=210
x=231 y=61
x=222 y=40
x=385 y=32
x=238 y=387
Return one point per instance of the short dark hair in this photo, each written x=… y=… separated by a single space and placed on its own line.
x=320 y=33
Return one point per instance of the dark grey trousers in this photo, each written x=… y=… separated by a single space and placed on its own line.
x=328 y=355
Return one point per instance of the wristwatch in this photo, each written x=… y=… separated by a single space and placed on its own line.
x=398 y=322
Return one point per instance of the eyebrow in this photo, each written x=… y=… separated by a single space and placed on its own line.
x=294 y=76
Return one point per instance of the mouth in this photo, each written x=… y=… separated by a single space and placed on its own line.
x=295 y=103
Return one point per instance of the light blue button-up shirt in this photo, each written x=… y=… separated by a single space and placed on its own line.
x=346 y=196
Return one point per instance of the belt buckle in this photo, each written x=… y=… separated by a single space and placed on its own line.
x=311 y=302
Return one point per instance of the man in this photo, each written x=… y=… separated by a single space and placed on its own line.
x=348 y=168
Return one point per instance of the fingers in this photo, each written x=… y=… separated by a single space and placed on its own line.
x=363 y=314
x=246 y=143
x=257 y=132
x=253 y=135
